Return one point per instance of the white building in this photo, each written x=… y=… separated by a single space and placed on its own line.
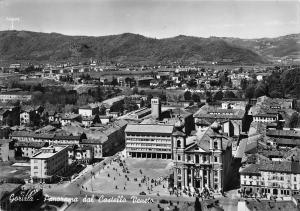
x=87 y=111
x=149 y=141
x=49 y=162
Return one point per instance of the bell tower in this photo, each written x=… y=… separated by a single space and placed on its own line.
x=155 y=107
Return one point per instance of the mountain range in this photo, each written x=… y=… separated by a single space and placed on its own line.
x=128 y=47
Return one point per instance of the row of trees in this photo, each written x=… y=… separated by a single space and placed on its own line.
x=219 y=95
x=279 y=84
x=60 y=96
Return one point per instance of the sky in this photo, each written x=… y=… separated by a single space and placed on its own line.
x=155 y=18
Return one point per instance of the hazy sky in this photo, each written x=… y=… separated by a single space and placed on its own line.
x=155 y=18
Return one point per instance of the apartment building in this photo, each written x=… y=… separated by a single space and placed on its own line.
x=49 y=162
x=277 y=178
x=149 y=141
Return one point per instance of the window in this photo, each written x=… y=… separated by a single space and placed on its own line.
x=178 y=171
x=35 y=161
x=216 y=158
x=197 y=158
x=295 y=179
x=216 y=173
x=215 y=145
x=178 y=143
x=35 y=167
x=178 y=157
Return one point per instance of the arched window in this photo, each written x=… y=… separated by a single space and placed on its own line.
x=178 y=143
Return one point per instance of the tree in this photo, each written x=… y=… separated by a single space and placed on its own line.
x=187 y=95
x=192 y=83
x=163 y=97
x=135 y=90
x=129 y=104
x=208 y=97
x=102 y=110
x=142 y=92
x=244 y=83
x=229 y=94
x=114 y=82
x=69 y=108
x=249 y=92
x=275 y=94
x=260 y=91
x=218 y=95
x=294 y=120
x=148 y=101
x=196 y=97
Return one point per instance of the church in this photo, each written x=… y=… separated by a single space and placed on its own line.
x=202 y=161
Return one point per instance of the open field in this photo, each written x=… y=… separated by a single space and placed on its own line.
x=7 y=171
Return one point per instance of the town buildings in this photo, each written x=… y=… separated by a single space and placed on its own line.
x=15 y=96
x=235 y=118
x=278 y=178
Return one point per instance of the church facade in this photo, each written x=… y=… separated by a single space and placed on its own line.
x=204 y=162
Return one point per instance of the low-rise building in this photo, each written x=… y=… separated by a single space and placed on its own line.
x=49 y=162
x=28 y=149
x=88 y=111
x=138 y=114
x=268 y=118
x=67 y=119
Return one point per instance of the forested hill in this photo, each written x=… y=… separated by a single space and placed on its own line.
x=25 y=45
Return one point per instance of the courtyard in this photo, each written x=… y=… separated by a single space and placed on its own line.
x=130 y=176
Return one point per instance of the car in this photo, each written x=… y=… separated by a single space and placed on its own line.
x=143 y=193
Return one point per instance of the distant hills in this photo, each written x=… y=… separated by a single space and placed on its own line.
x=127 y=47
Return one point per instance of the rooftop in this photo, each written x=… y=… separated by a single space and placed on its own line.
x=284 y=133
x=48 y=152
x=150 y=128
x=207 y=111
